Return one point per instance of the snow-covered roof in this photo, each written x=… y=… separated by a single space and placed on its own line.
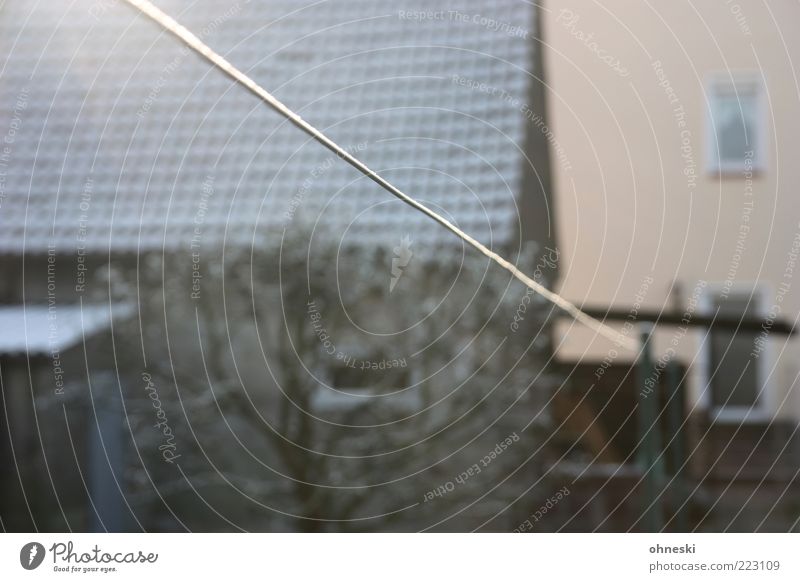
x=117 y=136
x=330 y=399
x=42 y=330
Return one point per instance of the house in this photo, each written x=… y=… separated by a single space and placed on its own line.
x=674 y=180
x=123 y=147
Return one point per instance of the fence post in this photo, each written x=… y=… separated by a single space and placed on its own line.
x=649 y=451
x=675 y=421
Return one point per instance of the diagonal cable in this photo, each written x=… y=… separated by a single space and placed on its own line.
x=197 y=45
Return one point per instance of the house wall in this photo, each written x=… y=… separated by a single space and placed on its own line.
x=639 y=215
x=41 y=278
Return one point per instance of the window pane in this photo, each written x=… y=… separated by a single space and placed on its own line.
x=734 y=121
x=735 y=373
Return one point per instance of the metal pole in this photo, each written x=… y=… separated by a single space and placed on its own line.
x=649 y=437
x=675 y=421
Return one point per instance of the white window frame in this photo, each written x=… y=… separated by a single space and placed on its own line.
x=761 y=411
x=715 y=83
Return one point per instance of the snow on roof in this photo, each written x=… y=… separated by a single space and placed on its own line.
x=330 y=399
x=120 y=138
x=42 y=330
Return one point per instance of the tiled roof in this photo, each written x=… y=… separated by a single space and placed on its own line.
x=116 y=136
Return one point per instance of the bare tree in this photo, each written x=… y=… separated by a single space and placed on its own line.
x=323 y=388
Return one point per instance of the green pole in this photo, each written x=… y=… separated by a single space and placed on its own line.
x=649 y=437
x=675 y=420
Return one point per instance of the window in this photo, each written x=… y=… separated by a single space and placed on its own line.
x=735 y=125
x=734 y=376
x=377 y=381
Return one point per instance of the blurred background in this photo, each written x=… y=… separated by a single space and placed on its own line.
x=208 y=322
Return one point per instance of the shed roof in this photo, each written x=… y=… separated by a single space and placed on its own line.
x=40 y=330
